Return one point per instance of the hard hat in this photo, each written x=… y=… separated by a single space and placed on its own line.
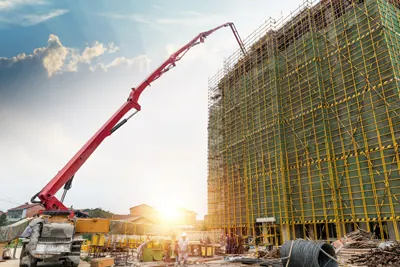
x=183 y=234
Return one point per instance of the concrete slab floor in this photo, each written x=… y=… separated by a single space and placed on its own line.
x=217 y=263
x=15 y=263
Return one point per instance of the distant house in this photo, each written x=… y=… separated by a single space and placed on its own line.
x=3 y=218
x=145 y=211
x=121 y=217
x=132 y=218
x=23 y=211
x=188 y=217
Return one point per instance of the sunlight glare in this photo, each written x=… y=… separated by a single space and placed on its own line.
x=169 y=211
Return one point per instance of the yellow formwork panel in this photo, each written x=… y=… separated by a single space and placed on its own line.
x=97 y=240
x=92 y=225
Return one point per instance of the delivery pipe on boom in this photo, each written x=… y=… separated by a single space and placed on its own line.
x=47 y=195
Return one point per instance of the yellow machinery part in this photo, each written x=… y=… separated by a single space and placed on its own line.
x=92 y=225
x=98 y=240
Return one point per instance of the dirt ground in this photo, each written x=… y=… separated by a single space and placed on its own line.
x=15 y=263
x=219 y=263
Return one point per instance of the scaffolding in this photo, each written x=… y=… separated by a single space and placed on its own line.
x=304 y=129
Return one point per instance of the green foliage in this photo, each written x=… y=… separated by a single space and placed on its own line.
x=99 y=213
x=87 y=236
x=87 y=259
x=3 y=219
x=12 y=244
x=96 y=213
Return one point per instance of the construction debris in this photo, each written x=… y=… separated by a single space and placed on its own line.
x=274 y=253
x=386 y=256
x=272 y=263
x=359 y=235
x=357 y=239
x=250 y=261
x=360 y=239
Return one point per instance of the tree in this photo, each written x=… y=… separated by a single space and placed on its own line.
x=96 y=213
x=99 y=213
x=3 y=219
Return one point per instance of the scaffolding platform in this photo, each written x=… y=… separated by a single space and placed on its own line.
x=305 y=127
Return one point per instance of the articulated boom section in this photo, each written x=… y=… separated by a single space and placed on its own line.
x=47 y=194
x=53 y=237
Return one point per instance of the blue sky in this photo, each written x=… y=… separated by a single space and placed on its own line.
x=67 y=66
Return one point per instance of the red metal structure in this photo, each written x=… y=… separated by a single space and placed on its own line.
x=64 y=177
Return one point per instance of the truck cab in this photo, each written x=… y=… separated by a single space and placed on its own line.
x=50 y=239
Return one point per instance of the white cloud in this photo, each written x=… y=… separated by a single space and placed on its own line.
x=30 y=19
x=134 y=17
x=112 y=48
x=182 y=18
x=73 y=60
x=54 y=55
x=57 y=58
x=91 y=52
x=193 y=19
x=142 y=63
x=12 y=4
x=12 y=12
x=33 y=19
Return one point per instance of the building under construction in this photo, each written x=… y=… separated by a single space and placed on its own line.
x=304 y=128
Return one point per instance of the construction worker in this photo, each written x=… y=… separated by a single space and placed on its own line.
x=140 y=250
x=183 y=249
x=176 y=251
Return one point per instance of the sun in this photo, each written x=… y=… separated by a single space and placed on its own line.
x=169 y=212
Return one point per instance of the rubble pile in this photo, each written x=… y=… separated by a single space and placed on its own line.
x=386 y=256
x=260 y=256
x=274 y=253
x=360 y=239
x=272 y=263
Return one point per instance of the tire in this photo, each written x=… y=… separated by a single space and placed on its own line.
x=75 y=252
x=21 y=256
x=69 y=264
x=33 y=262
x=76 y=248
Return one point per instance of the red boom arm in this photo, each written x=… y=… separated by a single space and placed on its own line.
x=47 y=194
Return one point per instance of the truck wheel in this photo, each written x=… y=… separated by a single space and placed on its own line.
x=32 y=260
x=75 y=253
x=21 y=256
x=70 y=264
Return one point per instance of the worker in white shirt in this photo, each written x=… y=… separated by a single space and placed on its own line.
x=183 y=249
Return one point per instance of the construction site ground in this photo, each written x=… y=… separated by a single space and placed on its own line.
x=342 y=256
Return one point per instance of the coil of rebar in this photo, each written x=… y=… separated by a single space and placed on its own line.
x=302 y=252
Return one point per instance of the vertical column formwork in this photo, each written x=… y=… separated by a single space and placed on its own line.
x=304 y=128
